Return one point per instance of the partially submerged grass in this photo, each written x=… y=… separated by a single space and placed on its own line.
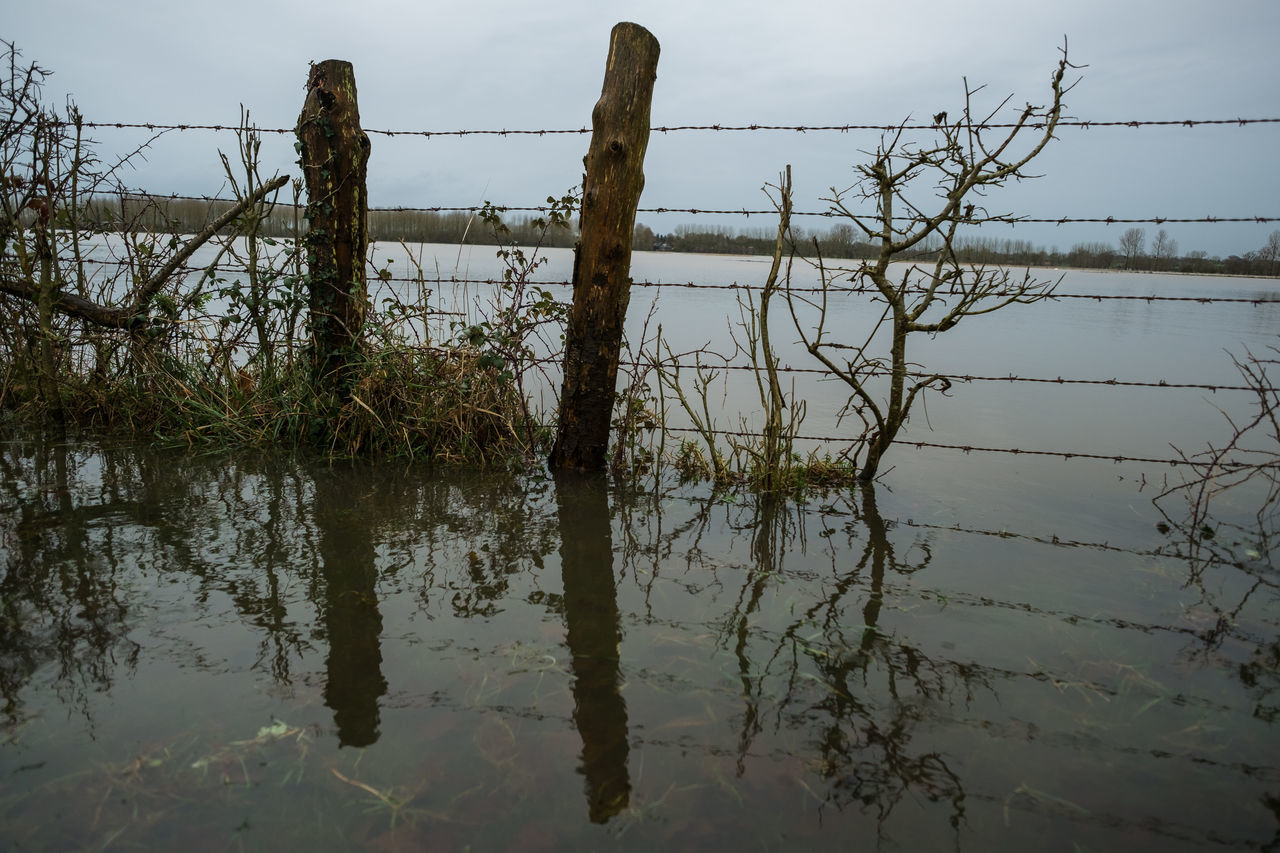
x=417 y=401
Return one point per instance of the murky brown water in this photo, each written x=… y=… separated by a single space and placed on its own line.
x=252 y=651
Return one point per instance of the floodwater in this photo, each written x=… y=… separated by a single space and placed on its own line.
x=213 y=651
x=1121 y=336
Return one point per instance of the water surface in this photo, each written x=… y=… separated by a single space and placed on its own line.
x=213 y=651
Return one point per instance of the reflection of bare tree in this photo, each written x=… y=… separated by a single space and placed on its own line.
x=82 y=526
x=865 y=739
x=267 y=505
x=352 y=622
x=594 y=635
x=873 y=760
x=59 y=600
x=770 y=538
x=1247 y=464
x=1223 y=519
x=651 y=532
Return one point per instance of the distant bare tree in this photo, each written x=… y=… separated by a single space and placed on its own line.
x=1269 y=254
x=643 y=239
x=1132 y=243
x=965 y=161
x=1163 y=250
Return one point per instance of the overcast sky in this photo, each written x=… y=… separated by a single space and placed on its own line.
x=522 y=65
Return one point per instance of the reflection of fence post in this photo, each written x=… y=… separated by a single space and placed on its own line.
x=593 y=632
x=352 y=620
x=602 y=264
x=334 y=157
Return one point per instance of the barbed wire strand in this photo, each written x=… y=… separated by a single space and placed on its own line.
x=747 y=212
x=857 y=290
x=716 y=128
x=871 y=290
x=969 y=448
x=817 y=371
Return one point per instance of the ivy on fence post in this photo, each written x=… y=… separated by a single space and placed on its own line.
x=611 y=191
x=334 y=155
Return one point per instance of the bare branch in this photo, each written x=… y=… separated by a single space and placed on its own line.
x=963 y=165
x=135 y=312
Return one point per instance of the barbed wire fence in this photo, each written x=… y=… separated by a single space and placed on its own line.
x=840 y=128
x=742 y=211
x=1260 y=301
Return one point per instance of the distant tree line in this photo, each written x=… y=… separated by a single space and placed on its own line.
x=188 y=216
x=1131 y=252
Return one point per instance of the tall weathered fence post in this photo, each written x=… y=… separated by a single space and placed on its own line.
x=334 y=158
x=602 y=263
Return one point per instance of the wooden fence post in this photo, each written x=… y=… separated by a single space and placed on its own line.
x=611 y=191
x=334 y=158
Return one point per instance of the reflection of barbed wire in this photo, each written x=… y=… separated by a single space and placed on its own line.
x=715 y=128
x=835 y=511
x=1116 y=622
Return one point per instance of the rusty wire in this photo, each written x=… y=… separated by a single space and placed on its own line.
x=868 y=290
x=871 y=290
x=748 y=212
x=1011 y=378
x=693 y=285
x=969 y=448
x=831 y=214
x=1000 y=220
x=721 y=128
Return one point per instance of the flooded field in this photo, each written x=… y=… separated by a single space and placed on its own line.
x=212 y=651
